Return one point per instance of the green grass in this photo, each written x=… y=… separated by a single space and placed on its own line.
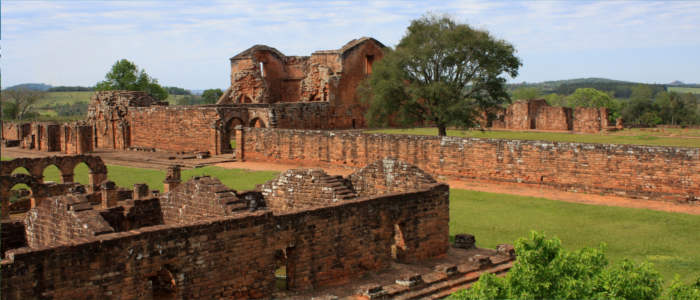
x=53 y=98
x=668 y=240
x=635 y=137
x=684 y=90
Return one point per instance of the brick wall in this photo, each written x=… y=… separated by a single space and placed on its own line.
x=178 y=129
x=590 y=119
x=646 y=171
x=553 y=118
x=235 y=256
x=14 y=131
x=304 y=188
x=63 y=219
x=198 y=199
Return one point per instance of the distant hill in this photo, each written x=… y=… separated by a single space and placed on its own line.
x=621 y=89
x=31 y=86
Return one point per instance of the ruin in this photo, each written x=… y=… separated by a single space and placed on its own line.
x=537 y=114
x=373 y=234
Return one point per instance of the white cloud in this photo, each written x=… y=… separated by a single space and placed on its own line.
x=188 y=43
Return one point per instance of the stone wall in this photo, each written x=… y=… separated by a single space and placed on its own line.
x=303 y=189
x=590 y=119
x=177 y=129
x=554 y=118
x=235 y=256
x=15 y=131
x=662 y=173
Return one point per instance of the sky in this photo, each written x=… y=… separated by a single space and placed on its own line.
x=188 y=43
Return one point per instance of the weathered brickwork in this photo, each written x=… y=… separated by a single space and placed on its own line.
x=537 y=114
x=590 y=119
x=40 y=190
x=177 y=129
x=77 y=251
x=305 y=188
x=663 y=173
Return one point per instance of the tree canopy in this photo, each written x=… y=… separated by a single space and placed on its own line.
x=442 y=73
x=19 y=102
x=125 y=75
x=211 y=95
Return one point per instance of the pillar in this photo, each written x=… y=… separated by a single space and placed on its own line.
x=239 y=143
x=5 y=198
x=109 y=194
x=66 y=178
x=172 y=178
x=95 y=179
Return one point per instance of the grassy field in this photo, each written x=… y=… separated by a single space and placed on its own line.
x=683 y=90
x=53 y=98
x=656 y=137
x=666 y=239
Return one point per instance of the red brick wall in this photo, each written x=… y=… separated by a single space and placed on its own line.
x=234 y=257
x=14 y=131
x=656 y=172
x=590 y=119
x=553 y=118
x=178 y=129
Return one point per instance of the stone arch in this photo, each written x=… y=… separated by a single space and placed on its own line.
x=66 y=165
x=229 y=134
x=8 y=182
x=257 y=122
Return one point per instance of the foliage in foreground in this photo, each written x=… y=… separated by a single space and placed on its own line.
x=544 y=270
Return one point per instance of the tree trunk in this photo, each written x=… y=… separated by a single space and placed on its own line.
x=442 y=130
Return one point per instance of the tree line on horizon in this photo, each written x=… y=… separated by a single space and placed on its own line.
x=646 y=105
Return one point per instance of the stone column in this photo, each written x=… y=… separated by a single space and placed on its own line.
x=66 y=178
x=109 y=194
x=239 y=143
x=95 y=179
x=172 y=178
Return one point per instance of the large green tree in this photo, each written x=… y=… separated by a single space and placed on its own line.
x=125 y=75
x=20 y=101
x=442 y=73
x=211 y=95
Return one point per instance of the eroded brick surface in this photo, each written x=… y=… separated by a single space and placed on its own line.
x=212 y=245
x=659 y=173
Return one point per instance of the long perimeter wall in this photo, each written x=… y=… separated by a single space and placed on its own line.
x=659 y=173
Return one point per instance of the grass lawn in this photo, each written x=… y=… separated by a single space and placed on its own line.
x=628 y=136
x=669 y=240
x=53 y=98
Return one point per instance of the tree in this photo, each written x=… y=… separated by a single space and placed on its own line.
x=210 y=96
x=441 y=72
x=590 y=97
x=125 y=75
x=544 y=270
x=525 y=93
x=22 y=100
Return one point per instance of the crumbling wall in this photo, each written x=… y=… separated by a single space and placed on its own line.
x=234 y=256
x=518 y=116
x=15 y=131
x=389 y=175
x=107 y=113
x=553 y=118
x=662 y=173
x=63 y=219
x=304 y=188
x=590 y=119
x=200 y=198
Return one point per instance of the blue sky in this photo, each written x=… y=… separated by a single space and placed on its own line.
x=188 y=43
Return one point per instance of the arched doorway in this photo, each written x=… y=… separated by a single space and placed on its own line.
x=228 y=141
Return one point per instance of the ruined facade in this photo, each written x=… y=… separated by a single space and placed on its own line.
x=262 y=74
x=537 y=114
x=203 y=240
